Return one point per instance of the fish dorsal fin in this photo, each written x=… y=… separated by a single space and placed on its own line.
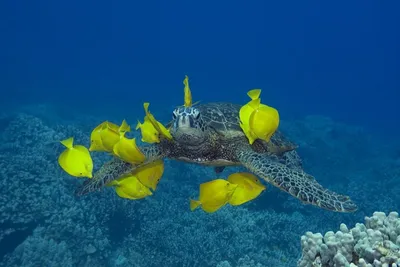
x=254 y=94
x=68 y=143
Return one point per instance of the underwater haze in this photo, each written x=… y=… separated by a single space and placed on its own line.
x=331 y=69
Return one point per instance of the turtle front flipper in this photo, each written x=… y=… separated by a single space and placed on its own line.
x=295 y=182
x=114 y=168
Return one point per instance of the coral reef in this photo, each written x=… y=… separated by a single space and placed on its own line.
x=375 y=243
x=42 y=223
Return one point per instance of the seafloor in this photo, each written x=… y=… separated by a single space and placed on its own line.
x=43 y=224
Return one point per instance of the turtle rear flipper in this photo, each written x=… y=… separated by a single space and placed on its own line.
x=110 y=171
x=295 y=182
x=115 y=168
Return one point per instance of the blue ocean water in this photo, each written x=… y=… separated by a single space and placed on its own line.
x=330 y=68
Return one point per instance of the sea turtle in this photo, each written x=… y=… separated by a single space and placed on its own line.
x=209 y=134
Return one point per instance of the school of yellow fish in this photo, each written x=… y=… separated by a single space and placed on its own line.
x=238 y=189
x=257 y=120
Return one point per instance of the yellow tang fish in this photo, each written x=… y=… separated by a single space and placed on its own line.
x=245 y=114
x=96 y=143
x=213 y=195
x=110 y=134
x=127 y=150
x=149 y=133
x=258 y=121
x=159 y=127
x=187 y=93
x=76 y=159
x=150 y=174
x=128 y=186
x=264 y=121
x=249 y=187
x=95 y=139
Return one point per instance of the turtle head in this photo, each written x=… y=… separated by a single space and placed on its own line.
x=187 y=126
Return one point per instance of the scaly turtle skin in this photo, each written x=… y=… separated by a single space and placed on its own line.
x=209 y=134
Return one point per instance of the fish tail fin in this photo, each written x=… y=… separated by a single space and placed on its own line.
x=254 y=94
x=194 y=204
x=68 y=143
x=186 y=81
x=146 y=107
x=187 y=93
x=124 y=127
